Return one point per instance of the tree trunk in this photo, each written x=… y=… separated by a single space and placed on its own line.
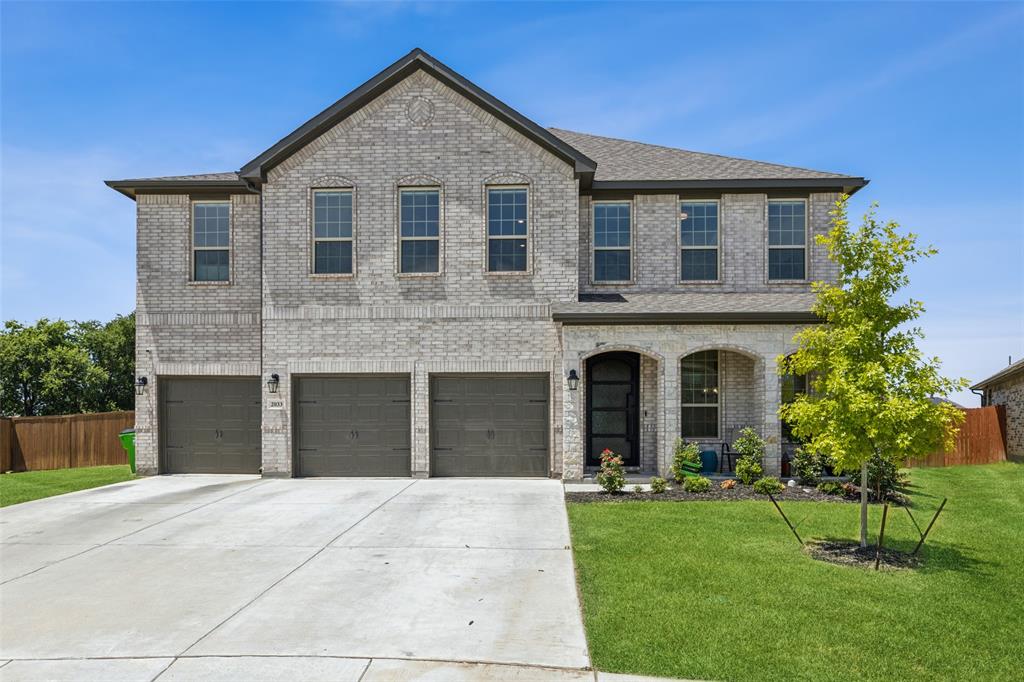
x=864 y=504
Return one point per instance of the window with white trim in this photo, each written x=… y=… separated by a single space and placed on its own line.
x=698 y=388
x=332 y=232
x=612 y=241
x=507 y=229
x=420 y=230
x=787 y=239
x=211 y=241
x=698 y=241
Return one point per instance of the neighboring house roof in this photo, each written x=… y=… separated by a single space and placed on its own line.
x=626 y=164
x=1002 y=375
x=693 y=307
x=599 y=162
x=936 y=400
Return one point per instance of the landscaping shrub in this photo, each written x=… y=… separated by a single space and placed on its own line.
x=658 y=484
x=807 y=466
x=696 y=484
x=728 y=484
x=768 y=484
x=884 y=477
x=751 y=448
x=831 y=487
x=684 y=453
x=749 y=444
x=850 y=490
x=638 y=489
x=611 y=477
x=748 y=470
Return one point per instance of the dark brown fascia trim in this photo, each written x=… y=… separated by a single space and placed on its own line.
x=132 y=188
x=590 y=318
x=848 y=185
x=256 y=169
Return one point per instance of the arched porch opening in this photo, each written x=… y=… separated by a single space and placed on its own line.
x=622 y=394
x=721 y=392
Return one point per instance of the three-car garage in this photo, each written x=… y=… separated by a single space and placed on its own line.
x=362 y=425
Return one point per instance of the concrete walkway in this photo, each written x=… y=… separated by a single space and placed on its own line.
x=233 y=577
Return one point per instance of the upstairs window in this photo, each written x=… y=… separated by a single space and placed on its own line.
x=211 y=239
x=420 y=231
x=612 y=242
x=506 y=230
x=787 y=240
x=698 y=241
x=332 y=232
x=699 y=394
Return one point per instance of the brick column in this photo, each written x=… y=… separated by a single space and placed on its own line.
x=419 y=415
x=276 y=436
x=572 y=435
x=147 y=428
x=772 y=429
x=670 y=412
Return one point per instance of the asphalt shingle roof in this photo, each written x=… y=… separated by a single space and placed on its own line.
x=622 y=160
x=198 y=177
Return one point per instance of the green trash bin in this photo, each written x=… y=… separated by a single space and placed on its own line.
x=128 y=443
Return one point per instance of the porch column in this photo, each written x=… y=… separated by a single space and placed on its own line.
x=572 y=437
x=772 y=429
x=670 y=412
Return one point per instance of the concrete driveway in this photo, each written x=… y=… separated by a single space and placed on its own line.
x=229 y=577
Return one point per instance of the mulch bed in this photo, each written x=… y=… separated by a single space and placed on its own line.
x=676 y=493
x=847 y=553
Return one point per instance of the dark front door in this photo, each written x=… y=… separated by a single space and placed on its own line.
x=352 y=426
x=613 y=407
x=210 y=425
x=493 y=425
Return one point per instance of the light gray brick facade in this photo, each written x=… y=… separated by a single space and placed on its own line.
x=276 y=316
x=1009 y=392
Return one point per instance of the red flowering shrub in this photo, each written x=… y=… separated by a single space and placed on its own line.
x=611 y=476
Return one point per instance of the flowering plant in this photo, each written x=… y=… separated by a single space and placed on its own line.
x=611 y=476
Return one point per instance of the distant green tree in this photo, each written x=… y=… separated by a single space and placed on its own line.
x=111 y=347
x=871 y=388
x=60 y=367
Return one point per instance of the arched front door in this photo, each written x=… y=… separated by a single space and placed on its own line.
x=613 y=407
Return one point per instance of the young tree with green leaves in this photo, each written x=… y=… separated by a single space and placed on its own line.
x=870 y=387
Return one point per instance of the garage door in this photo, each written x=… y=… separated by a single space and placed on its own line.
x=494 y=425
x=210 y=426
x=352 y=426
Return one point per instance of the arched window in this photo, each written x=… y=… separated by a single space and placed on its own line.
x=699 y=395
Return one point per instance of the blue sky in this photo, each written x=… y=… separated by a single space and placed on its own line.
x=925 y=99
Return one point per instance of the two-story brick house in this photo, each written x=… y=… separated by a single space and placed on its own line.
x=420 y=281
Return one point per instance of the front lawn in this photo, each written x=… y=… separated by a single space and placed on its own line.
x=33 y=485
x=722 y=590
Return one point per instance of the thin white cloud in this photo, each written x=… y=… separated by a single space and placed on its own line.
x=797 y=115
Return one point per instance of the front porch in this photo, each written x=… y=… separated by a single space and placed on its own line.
x=642 y=386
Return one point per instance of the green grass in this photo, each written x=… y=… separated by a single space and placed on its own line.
x=722 y=590
x=34 y=485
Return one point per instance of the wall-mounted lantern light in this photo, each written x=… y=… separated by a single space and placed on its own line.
x=573 y=380
x=140 y=385
x=273 y=383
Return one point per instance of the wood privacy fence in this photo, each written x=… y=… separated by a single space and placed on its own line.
x=63 y=442
x=981 y=440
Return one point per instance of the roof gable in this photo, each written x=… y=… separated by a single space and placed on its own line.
x=256 y=169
